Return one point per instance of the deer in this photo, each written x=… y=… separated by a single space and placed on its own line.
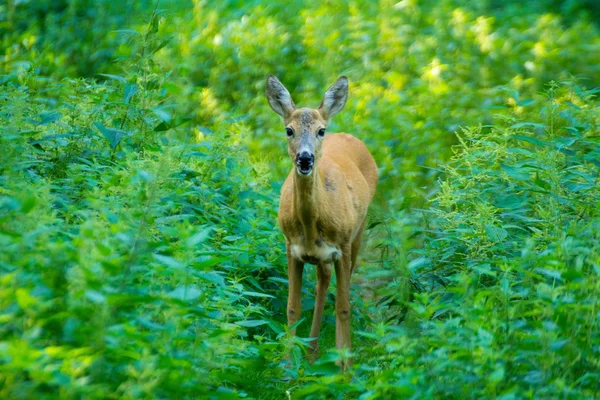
x=323 y=205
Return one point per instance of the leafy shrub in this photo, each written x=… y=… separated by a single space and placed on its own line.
x=508 y=268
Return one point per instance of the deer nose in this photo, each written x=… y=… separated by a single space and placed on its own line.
x=305 y=158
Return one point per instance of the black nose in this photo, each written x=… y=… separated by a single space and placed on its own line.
x=305 y=159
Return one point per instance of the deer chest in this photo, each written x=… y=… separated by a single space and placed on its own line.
x=315 y=253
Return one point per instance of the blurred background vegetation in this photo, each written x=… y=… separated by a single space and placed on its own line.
x=140 y=174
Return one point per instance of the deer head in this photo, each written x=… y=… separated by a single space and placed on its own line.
x=305 y=127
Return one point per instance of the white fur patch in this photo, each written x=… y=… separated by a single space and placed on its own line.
x=301 y=174
x=324 y=253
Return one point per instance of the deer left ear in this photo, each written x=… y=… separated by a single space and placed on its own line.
x=279 y=98
x=335 y=98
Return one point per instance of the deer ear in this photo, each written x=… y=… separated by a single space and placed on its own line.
x=335 y=98
x=279 y=98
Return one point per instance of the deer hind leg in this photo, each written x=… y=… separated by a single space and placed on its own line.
x=294 y=305
x=323 y=279
x=343 y=271
x=356 y=243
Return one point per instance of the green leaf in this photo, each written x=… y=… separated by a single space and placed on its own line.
x=115 y=77
x=558 y=344
x=252 y=323
x=195 y=154
x=527 y=125
x=185 y=293
x=212 y=277
x=161 y=127
x=28 y=204
x=154 y=24
x=128 y=31
x=162 y=44
x=200 y=237
x=518 y=173
x=24 y=299
x=550 y=273
x=203 y=263
x=328 y=369
x=94 y=296
x=541 y=183
x=146 y=323
x=168 y=261
x=256 y=294
x=45 y=118
x=113 y=135
x=497 y=375
x=496 y=234
x=579 y=187
x=524 y=103
x=530 y=139
x=130 y=90
x=162 y=114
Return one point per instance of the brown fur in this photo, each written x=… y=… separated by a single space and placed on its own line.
x=326 y=210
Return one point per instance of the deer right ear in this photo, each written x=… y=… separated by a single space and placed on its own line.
x=279 y=98
x=335 y=98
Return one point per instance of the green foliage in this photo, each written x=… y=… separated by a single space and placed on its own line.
x=139 y=183
x=121 y=261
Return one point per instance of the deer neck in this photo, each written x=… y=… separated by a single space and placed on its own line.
x=307 y=199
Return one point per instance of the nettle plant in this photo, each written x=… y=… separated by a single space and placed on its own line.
x=129 y=251
x=523 y=179
x=508 y=268
x=512 y=255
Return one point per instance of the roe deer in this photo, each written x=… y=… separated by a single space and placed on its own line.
x=323 y=204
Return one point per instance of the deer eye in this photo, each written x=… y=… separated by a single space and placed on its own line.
x=289 y=132
x=321 y=132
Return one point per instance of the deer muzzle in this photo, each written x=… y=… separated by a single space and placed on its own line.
x=305 y=162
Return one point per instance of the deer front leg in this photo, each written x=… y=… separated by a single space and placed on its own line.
x=343 y=271
x=323 y=279
x=294 y=305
